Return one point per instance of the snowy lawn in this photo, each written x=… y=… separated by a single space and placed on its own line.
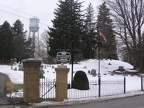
x=133 y=83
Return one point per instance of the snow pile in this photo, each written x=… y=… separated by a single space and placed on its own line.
x=14 y=74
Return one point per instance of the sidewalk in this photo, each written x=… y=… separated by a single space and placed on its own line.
x=68 y=102
x=4 y=101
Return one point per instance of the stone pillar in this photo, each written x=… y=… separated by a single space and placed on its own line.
x=61 y=83
x=31 y=80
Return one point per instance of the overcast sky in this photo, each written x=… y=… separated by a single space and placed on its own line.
x=11 y=10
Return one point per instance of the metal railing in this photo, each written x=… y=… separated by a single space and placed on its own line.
x=47 y=89
x=106 y=88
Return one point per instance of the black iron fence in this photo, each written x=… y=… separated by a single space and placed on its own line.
x=82 y=93
x=47 y=89
x=112 y=87
x=109 y=87
x=96 y=89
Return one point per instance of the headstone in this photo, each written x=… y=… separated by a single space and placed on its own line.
x=109 y=63
x=42 y=74
x=20 y=66
x=93 y=72
x=41 y=67
x=125 y=74
x=12 y=67
x=121 y=68
x=85 y=67
x=104 y=74
x=15 y=69
x=45 y=66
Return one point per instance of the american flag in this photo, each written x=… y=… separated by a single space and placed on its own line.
x=103 y=36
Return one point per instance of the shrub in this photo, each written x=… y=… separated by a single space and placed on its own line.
x=80 y=81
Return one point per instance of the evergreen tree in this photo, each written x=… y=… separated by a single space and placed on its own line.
x=19 y=41
x=89 y=28
x=90 y=19
x=67 y=26
x=105 y=25
x=6 y=43
x=28 y=48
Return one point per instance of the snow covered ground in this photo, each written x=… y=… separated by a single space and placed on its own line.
x=133 y=83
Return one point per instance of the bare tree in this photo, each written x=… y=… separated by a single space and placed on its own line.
x=43 y=48
x=129 y=17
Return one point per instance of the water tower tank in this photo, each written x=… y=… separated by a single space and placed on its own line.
x=34 y=24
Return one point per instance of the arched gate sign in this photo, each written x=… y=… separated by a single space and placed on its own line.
x=63 y=56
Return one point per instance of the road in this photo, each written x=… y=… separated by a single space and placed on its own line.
x=131 y=102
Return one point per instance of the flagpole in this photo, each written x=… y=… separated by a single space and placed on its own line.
x=99 y=79
x=98 y=46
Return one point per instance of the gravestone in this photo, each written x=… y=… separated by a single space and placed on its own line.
x=41 y=67
x=20 y=66
x=45 y=66
x=12 y=67
x=93 y=72
x=15 y=69
x=42 y=74
x=121 y=68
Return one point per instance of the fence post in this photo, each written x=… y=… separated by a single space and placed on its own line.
x=99 y=88
x=61 y=83
x=141 y=83
x=31 y=80
x=124 y=85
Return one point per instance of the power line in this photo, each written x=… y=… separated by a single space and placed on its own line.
x=32 y=15
x=28 y=18
x=22 y=12
x=13 y=14
x=19 y=16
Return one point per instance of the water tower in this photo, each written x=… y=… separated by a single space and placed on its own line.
x=34 y=29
